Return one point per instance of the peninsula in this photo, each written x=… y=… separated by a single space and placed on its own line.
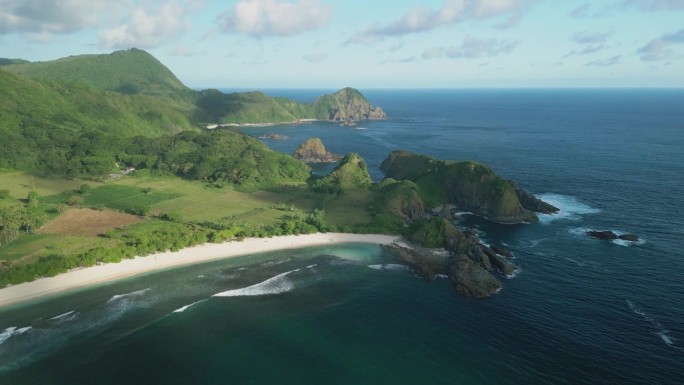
x=179 y=185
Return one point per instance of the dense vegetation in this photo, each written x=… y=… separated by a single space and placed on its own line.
x=131 y=71
x=30 y=105
x=218 y=156
x=470 y=185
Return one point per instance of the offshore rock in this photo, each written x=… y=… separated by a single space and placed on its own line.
x=313 y=151
x=470 y=279
x=467 y=262
x=605 y=235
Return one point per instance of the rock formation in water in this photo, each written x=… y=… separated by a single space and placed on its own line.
x=608 y=235
x=468 y=263
x=313 y=151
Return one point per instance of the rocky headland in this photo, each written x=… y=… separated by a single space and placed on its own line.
x=470 y=186
x=348 y=105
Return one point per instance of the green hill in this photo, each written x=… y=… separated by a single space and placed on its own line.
x=345 y=105
x=469 y=185
x=53 y=105
x=136 y=72
x=130 y=72
x=351 y=173
x=6 y=62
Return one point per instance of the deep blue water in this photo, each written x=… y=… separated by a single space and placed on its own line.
x=580 y=311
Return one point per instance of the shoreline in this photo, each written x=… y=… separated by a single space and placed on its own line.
x=89 y=276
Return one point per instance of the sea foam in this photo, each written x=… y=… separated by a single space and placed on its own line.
x=274 y=285
x=569 y=208
x=128 y=295
x=663 y=333
x=12 y=331
x=184 y=308
x=68 y=316
x=390 y=266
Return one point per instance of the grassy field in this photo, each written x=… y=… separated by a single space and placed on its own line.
x=29 y=248
x=88 y=222
x=349 y=208
x=19 y=184
x=122 y=197
x=79 y=229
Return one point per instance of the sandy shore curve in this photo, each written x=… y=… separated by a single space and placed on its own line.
x=203 y=253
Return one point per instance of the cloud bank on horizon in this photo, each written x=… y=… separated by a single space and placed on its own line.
x=333 y=43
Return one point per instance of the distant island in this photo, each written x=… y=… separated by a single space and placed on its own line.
x=68 y=125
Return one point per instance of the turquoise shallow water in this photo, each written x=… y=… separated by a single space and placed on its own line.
x=580 y=311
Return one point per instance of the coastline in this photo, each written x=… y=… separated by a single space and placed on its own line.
x=94 y=275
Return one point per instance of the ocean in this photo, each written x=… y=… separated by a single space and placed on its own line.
x=579 y=311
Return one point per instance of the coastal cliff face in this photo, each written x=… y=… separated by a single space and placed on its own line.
x=469 y=185
x=313 y=151
x=346 y=105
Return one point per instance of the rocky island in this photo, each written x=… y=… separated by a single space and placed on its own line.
x=313 y=151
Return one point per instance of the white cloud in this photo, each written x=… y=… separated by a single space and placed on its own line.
x=433 y=53
x=259 y=18
x=585 y=37
x=50 y=16
x=580 y=12
x=315 y=57
x=587 y=50
x=477 y=48
x=655 y=5
x=422 y=19
x=605 y=62
x=660 y=48
x=181 y=50
x=147 y=28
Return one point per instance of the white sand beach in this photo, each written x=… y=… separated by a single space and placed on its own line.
x=207 y=252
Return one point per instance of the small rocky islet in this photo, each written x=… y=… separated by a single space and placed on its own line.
x=608 y=235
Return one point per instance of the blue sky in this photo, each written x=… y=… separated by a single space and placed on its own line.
x=367 y=44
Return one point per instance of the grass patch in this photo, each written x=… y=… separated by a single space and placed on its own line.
x=120 y=197
x=28 y=248
x=350 y=208
x=20 y=184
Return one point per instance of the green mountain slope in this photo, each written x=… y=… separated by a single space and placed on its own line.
x=131 y=71
x=52 y=105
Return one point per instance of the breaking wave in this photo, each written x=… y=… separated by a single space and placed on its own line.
x=128 y=295
x=274 y=285
x=569 y=208
x=184 y=308
x=12 y=331
x=390 y=266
